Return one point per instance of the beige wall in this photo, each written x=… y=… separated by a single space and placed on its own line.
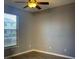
x=53 y=30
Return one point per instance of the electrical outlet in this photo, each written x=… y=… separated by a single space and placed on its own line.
x=65 y=50
x=50 y=47
x=30 y=46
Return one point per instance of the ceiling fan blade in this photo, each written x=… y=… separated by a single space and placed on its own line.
x=43 y=3
x=19 y=1
x=26 y=6
x=38 y=7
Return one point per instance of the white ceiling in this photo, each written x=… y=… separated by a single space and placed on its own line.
x=52 y=3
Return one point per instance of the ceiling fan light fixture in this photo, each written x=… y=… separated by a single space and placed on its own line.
x=32 y=4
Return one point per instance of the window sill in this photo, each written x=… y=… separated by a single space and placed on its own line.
x=11 y=47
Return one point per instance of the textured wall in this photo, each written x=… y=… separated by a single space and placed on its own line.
x=53 y=30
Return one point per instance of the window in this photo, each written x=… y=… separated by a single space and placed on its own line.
x=9 y=30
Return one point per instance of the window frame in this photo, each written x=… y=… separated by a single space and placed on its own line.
x=13 y=46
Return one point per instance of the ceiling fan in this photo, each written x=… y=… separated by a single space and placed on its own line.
x=33 y=4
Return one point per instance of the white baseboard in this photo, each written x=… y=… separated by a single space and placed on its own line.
x=45 y=52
